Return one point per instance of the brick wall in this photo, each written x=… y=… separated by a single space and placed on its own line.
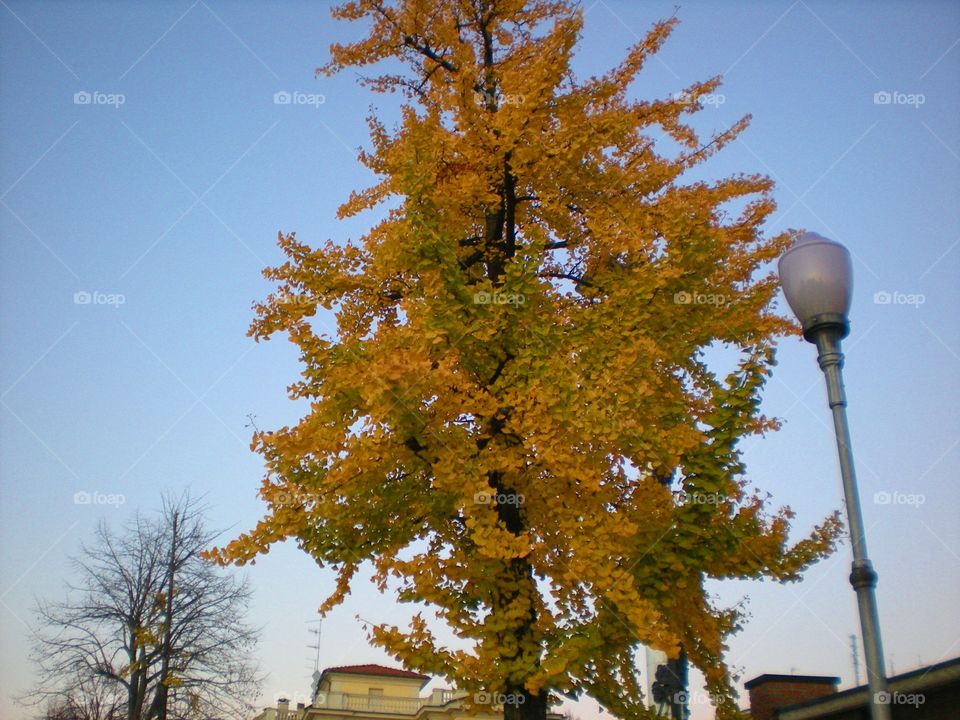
x=769 y=692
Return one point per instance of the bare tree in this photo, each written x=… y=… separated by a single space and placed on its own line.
x=151 y=621
x=86 y=698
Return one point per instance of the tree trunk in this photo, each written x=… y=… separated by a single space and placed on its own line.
x=519 y=703
x=136 y=694
x=500 y=246
x=163 y=689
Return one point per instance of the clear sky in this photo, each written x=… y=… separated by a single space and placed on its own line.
x=160 y=212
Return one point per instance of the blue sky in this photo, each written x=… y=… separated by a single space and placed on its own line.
x=161 y=211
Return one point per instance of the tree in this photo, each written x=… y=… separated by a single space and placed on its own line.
x=515 y=420
x=86 y=698
x=151 y=622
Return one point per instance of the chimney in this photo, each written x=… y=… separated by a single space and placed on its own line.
x=769 y=693
x=300 y=706
x=283 y=706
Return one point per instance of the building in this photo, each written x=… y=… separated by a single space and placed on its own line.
x=929 y=693
x=377 y=692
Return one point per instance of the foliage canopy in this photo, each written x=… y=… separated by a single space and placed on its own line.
x=517 y=380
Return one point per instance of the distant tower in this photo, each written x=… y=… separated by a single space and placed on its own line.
x=856 y=660
x=315 y=677
x=316 y=645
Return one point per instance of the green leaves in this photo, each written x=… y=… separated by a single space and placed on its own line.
x=519 y=364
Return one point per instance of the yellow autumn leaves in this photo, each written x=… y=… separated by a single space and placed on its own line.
x=507 y=463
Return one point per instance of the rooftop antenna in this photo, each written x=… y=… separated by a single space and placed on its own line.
x=856 y=661
x=316 y=645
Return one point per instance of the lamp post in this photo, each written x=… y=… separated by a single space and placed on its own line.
x=816 y=277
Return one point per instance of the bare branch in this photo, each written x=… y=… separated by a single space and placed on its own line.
x=122 y=646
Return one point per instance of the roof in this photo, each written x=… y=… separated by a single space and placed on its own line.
x=814 y=679
x=378 y=671
x=921 y=679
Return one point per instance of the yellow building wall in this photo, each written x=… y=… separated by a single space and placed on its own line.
x=458 y=714
x=361 y=684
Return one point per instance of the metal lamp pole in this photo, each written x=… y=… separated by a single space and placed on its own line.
x=816 y=277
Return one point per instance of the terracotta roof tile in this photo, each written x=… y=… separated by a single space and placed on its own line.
x=381 y=670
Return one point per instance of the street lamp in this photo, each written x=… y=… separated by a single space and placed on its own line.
x=817 y=279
